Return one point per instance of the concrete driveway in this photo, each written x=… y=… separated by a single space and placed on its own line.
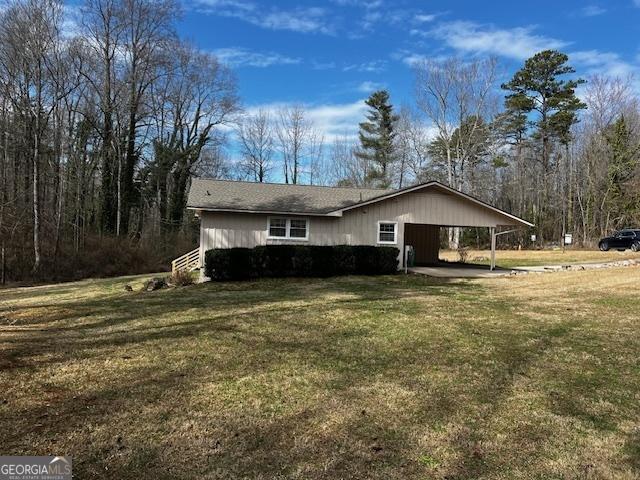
x=460 y=271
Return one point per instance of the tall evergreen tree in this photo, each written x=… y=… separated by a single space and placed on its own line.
x=549 y=102
x=377 y=139
x=621 y=200
x=537 y=87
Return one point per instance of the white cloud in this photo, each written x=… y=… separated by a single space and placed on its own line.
x=396 y=17
x=316 y=65
x=370 y=19
x=592 y=10
x=411 y=58
x=372 y=66
x=338 y=120
x=518 y=43
x=242 y=57
x=239 y=4
x=358 y=3
x=304 y=20
x=424 y=18
x=368 y=86
x=333 y=121
x=301 y=19
x=606 y=63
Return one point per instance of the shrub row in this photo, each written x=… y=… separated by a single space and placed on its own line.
x=299 y=261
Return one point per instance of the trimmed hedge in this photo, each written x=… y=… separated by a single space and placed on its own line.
x=299 y=261
x=229 y=263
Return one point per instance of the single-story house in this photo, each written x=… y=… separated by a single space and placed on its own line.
x=247 y=214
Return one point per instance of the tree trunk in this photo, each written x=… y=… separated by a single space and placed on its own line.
x=453 y=236
x=36 y=203
x=119 y=196
x=129 y=165
x=163 y=200
x=178 y=198
x=570 y=193
x=108 y=210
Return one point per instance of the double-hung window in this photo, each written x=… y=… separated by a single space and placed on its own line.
x=388 y=232
x=278 y=227
x=288 y=228
x=298 y=228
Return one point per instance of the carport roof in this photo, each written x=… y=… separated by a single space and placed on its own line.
x=439 y=186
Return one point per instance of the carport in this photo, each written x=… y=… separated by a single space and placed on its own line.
x=425 y=240
x=451 y=208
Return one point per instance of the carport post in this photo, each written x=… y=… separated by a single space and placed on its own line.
x=492 y=230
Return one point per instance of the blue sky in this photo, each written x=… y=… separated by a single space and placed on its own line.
x=329 y=55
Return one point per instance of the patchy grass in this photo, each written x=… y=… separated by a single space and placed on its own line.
x=399 y=377
x=529 y=258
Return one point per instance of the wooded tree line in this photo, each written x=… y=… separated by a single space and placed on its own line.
x=103 y=124
x=104 y=120
x=568 y=163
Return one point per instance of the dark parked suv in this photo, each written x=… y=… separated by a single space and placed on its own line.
x=621 y=241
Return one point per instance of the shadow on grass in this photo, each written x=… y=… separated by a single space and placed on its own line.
x=69 y=328
x=302 y=388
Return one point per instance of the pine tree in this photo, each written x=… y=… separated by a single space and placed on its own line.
x=622 y=201
x=538 y=93
x=377 y=139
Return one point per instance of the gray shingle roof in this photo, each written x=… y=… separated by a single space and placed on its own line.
x=208 y=194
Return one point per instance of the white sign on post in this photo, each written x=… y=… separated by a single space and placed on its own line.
x=568 y=238
x=533 y=237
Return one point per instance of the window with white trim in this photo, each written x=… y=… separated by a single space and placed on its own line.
x=388 y=232
x=278 y=227
x=288 y=228
x=298 y=228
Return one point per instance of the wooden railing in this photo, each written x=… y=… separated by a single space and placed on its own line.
x=189 y=261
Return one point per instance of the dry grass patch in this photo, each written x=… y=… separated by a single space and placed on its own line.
x=380 y=378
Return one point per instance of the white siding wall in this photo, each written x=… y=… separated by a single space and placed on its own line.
x=355 y=227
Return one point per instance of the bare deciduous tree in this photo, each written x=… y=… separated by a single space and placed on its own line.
x=294 y=132
x=452 y=94
x=347 y=169
x=31 y=62
x=412 y=146
x=317 y=171
x=256 y=144
x=81 y=114
x=198 y=94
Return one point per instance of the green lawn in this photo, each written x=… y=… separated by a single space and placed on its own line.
x=351 y=378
